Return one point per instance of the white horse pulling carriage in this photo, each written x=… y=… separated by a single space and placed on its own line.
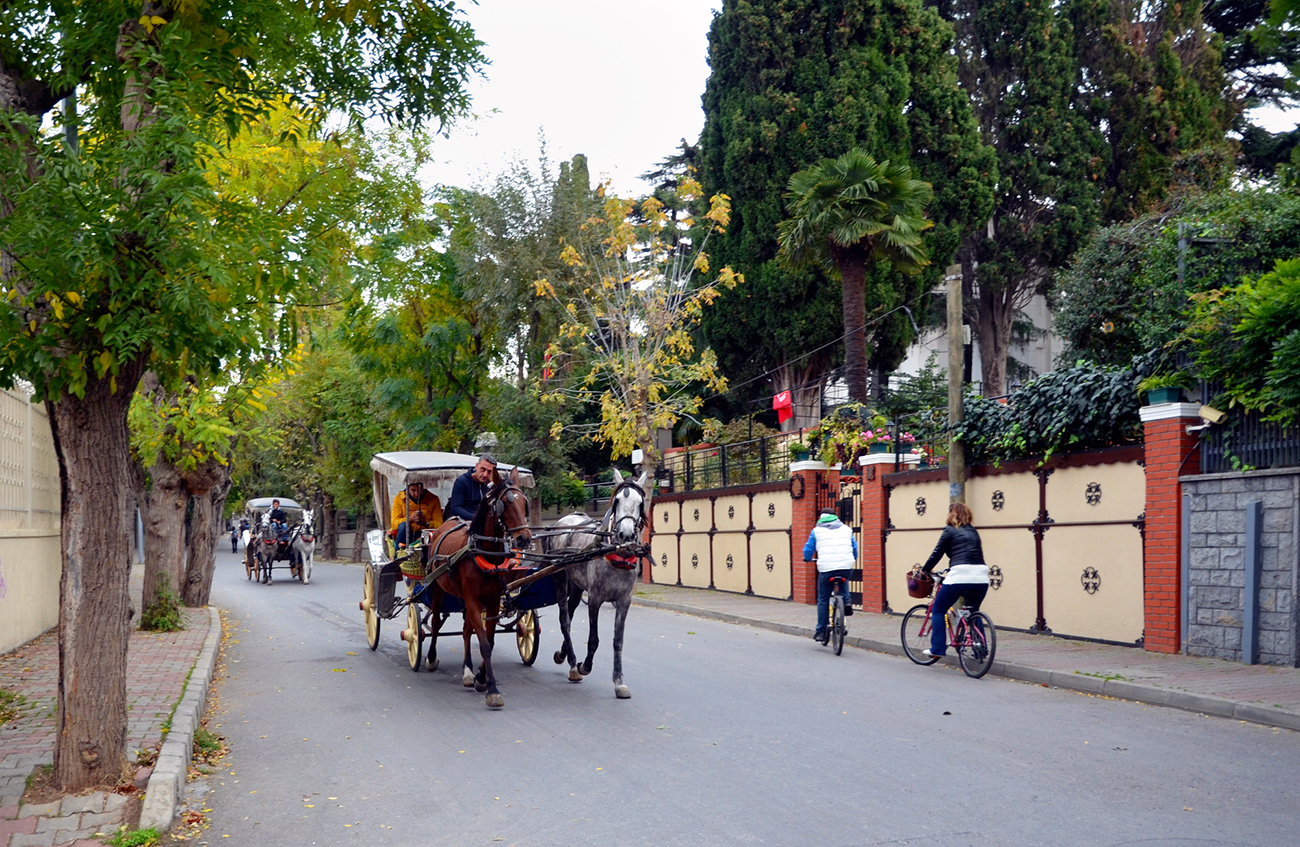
x=265 y=545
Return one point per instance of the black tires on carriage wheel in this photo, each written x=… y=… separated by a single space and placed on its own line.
x=368 y=607
x=837 y=624
x=528 y=636
x=414 y=636
x=976 y=646
x=914 y=640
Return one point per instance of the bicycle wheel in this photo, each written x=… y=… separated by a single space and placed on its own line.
x=916 y=634
x=837 y=624
x=976 y=645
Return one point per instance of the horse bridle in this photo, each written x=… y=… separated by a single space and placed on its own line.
x=499 y=508
x=640 y=520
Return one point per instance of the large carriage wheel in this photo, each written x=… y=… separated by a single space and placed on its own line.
x=528 y=635
x=413 y=635
x=368 y=606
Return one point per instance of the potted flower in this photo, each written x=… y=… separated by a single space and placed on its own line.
x=1165 y=388
x=799 y=450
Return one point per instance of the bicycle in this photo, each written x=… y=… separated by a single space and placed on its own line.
x=836 y=628
x=972 y=634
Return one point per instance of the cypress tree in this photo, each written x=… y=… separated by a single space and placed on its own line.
x=796 y=81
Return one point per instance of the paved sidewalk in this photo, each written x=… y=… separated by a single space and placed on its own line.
x=1262 y=694
x=158 y=665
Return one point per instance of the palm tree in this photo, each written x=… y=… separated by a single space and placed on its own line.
x=848 y=211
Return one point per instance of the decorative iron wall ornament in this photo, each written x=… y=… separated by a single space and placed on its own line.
x=695 y=560
x=697 y=514
x=920 y=505
x=796 y=488
x=731 y=511
x=731 y=563
x=771 y=563
x=664 y=560
x=1093 y=493
x=999 y=500
x=1091 y=580
x=665 y=516
x=995 y=577
x=771 y=510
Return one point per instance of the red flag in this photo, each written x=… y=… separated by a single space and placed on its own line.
x=784 y=408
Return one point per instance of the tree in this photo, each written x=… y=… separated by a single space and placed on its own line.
x=631 y=307
x=796 y=81
x=119 y=257
x=853 y=211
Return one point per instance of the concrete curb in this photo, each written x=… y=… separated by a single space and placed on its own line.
x=1120 y=689
x=167 y=783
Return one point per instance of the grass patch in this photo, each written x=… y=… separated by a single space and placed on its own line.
x=1105 y=677
x=164 y=613
x=11 y=705
x=134 y=837
x=208 y=746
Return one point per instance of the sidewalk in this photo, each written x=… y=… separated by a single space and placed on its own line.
x=1261 y=694
x=158 y=666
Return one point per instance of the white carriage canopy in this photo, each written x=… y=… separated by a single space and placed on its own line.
x=259 y=506
x=438 y=472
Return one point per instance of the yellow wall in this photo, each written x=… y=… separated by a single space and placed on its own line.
x=30 y=565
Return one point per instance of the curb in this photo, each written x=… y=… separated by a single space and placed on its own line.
x=167 y=783
x=1119 y=689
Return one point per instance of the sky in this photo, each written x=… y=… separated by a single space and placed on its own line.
x=617 y=80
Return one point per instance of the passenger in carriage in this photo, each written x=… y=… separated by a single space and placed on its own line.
x=414 y=510
x=471 y=487
x=278 y=519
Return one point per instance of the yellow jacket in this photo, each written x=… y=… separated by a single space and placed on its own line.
x=428 y=503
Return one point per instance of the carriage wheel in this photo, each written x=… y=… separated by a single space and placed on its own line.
x=413 y=635
x=528 y=635
x=368 y=606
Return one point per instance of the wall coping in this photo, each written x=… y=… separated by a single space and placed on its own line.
x=1211 y=477
x=1169 y=411
x=30 y=533
x=888 y=459
x=813 y=465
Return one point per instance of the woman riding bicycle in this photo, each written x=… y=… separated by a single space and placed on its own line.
x=837 y=552
x=967 y=578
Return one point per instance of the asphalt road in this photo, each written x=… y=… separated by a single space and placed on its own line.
x=732 y=736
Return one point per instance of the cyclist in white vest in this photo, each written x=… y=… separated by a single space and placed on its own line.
x=837 y=552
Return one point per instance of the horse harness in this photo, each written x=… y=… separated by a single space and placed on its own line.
x=625 y=562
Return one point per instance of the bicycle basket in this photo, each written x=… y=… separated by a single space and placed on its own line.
x=919 y=583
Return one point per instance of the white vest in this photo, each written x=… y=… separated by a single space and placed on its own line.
x=834 y=548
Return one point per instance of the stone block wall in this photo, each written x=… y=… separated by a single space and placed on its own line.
x=1216 y=575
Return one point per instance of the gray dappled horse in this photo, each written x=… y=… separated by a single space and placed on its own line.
x=304 y=547
x=605 y=580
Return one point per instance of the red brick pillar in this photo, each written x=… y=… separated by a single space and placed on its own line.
x=1170 y=452
x=875 y=517
x=807 y=479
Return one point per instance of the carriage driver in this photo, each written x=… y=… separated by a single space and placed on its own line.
x=278 y=519
x=413 y=510
x=471 y=487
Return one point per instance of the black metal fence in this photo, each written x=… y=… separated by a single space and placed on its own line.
x=725 y=465
x=1245 y=441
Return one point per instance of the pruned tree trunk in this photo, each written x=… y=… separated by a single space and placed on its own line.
x=207 y=485
x=359 y=537
x=997 y=314
x=804 y=383
x=93 y=446
x=165 y=504
x=329 y=527
x=852 y=269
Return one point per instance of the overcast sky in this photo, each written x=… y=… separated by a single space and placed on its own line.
x=618 y=80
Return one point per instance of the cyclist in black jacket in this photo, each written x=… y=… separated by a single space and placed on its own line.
x=967 y=578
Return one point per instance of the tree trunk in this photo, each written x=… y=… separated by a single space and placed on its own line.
x=852 y=267
x=359 y=537
x=208 y=486
x=997 y=313
x=805 y=393
x=164 y=530
x=93 y=446
x=329 y=530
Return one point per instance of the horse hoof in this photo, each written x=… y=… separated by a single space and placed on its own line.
x=621 y=692
x=467 y=678
x=574 y=675
x=495 y=701
x=480 y=687
x=558 y=657
x=431 y=665
x=584 y=669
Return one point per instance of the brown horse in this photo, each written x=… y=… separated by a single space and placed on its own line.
x=502 y=518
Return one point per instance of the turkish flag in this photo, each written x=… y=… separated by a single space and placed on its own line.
x=784 y=408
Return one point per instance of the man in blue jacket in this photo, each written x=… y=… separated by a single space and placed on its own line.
x=470 y=488
x=837 y=552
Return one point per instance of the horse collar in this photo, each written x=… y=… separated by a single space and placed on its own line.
x=623 y=563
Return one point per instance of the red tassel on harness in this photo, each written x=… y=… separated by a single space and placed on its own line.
x=626 y=563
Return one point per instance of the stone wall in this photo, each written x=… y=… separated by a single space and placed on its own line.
x=1216 y=558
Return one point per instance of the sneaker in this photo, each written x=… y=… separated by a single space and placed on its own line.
x=848 y=611
x=820 y=638
x=926 y=653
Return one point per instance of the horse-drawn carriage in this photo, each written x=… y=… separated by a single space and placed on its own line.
x=268 y=546
x=484 y=568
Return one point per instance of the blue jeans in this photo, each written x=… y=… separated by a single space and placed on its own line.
x=973 y=593
x=403 y=533
x=824 y=596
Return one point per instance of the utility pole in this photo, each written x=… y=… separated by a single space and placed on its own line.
x=956 y=367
